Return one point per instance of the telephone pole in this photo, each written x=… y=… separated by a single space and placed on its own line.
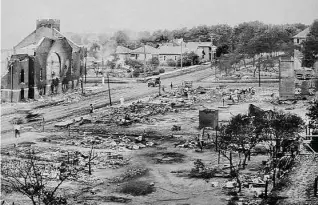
x=110 y=99
x=211 y=50
x=259 y=72
x=11 y=83
x=181 y=53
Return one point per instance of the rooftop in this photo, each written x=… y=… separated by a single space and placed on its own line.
x=302 y=34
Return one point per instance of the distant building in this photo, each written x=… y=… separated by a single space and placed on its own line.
x=170 y=53
x=205 y=51
x=122 y=52
x=144 y=53
x=43 y=63
x=300 y=37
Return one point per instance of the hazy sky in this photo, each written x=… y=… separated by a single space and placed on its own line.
x=18 y=16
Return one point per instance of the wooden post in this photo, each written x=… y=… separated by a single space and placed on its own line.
x=43 y=124
x=266 y=188
x=110 y=99
x=219 y=156
x=259 y=72
x=306 y=130
x=68 y=157
x=315 y=186
x=216 y=140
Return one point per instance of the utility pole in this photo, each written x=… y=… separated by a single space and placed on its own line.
x=259 y=72
x=144 y=58
x=211 y=50
x=110 y=99
x=181 y=53
x=85 y=68
x=11 y=83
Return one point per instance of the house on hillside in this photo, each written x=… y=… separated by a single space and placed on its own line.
x=144 y=53
x=43 y=63
x=300 y=37
x=122 y=52
x=170 y=53
x=205 y=50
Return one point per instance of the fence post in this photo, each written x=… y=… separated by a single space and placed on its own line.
x=266 y=188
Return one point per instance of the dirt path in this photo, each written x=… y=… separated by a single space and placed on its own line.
x=82 y=107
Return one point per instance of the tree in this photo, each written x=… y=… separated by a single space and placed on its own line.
x=93 y=50
x=154 y=62
x=284 y=126
x=121 y=38
x=188 y=59
x=28 y=178
x=91 y=157
x=241 y=134
x=310 y=49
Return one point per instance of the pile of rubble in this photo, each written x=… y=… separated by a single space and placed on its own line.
x=131 y=173
x=135 y=113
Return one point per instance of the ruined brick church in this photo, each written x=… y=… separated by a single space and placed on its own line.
x=43 y=63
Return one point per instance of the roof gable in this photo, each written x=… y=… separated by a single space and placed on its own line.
x=145 y=49
x=122 y=50
x=38 y=34
x=302 y=34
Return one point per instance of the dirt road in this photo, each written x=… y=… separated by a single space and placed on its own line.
x=130 y=92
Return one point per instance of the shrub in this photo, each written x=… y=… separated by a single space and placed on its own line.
x=155 y=73
x=154 y=61
x=136 y=73
x=161 y=70
x=171 y=63
x=134 y=63
x=137 y=188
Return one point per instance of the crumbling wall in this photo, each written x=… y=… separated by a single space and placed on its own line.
x=286 y=79
x=208 y=118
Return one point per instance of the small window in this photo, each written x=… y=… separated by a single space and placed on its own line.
x=297 y=40
x=22 y=76
x=175 y=58
x=164 y=58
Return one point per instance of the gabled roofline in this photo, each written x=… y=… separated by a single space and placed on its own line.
x=32 y=33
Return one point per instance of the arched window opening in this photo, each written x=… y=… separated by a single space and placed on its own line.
x=41 y=74
x=22 y=76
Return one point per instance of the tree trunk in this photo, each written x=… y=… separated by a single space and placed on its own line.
x=89 y=168
x=239 y=182
x=245 y=158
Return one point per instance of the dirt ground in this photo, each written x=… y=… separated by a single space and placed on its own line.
x=160 y=161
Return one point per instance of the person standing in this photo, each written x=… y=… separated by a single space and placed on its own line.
x=171 y=85
x=91 y=111
x=17 y=130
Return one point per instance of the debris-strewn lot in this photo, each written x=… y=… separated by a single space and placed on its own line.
x=146 y=152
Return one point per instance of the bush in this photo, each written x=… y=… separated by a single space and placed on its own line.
x=137 y=188
x=161 y=70
x=136 y=73
x=201 y=171
x=154 y=61
x=155 y=73
x=134 y=63
x=171 y=63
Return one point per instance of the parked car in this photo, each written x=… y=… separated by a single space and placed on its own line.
x=153 y=82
